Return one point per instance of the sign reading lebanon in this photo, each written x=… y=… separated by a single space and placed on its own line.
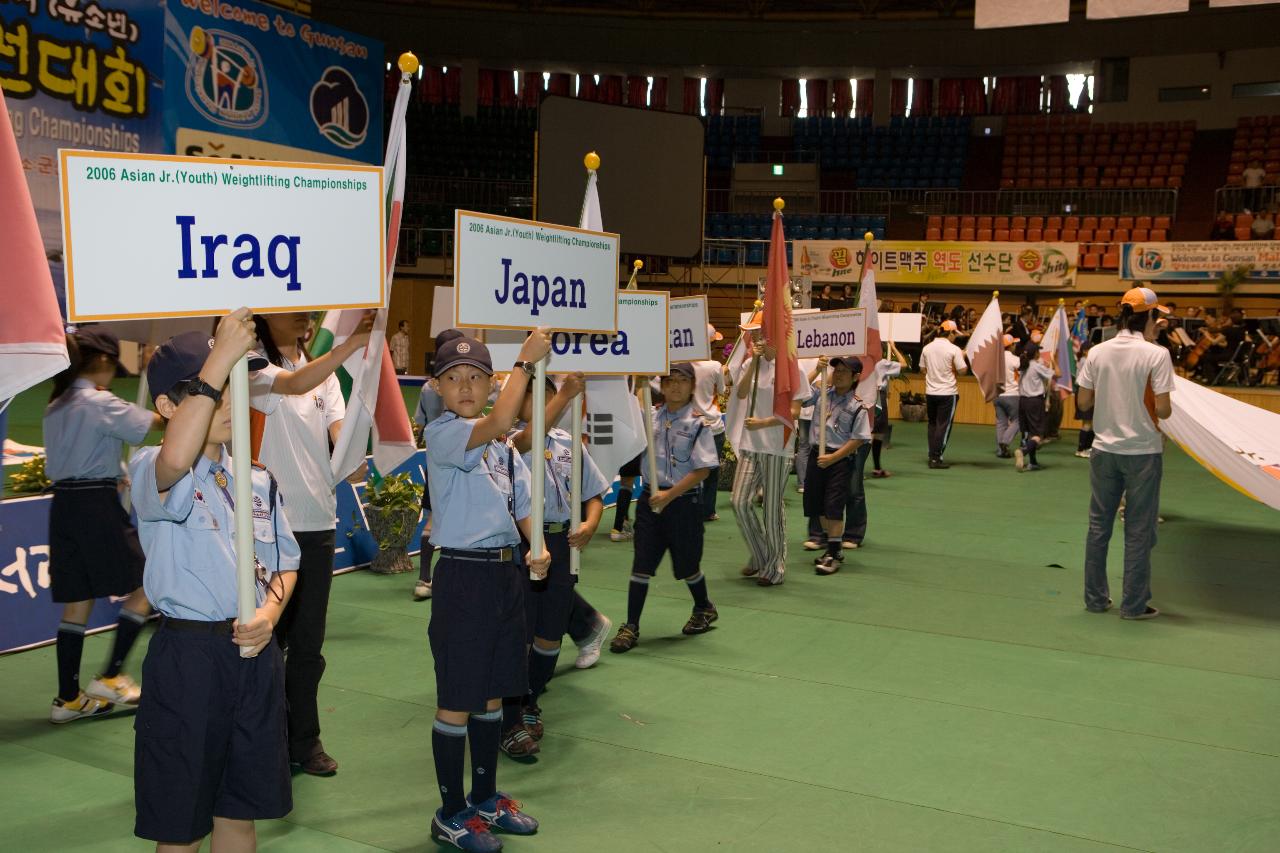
x=636 y=347
x=162 y=236
x=518 y=274
x=687 y=335
x=831 y=333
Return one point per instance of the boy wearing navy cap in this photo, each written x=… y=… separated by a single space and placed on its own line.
x=671 y=517
x=480 y=504
x=831 y=447
x=210 y=750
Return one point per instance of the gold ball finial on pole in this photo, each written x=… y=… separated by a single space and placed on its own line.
x=408 y=63
x=869 y=236
x=591 y=161
x=1062 y=301
x=995 y=294
x=638 y=264
x=778 y=204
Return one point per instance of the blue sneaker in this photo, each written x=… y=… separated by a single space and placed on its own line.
x=503 y=813
x=466 y=830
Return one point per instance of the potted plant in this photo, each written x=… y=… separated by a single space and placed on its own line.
x=911 y=405
x=30 y=477
x=1229 y=281
x=728 y=468
x=393 y=506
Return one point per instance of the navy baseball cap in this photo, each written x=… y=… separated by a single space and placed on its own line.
x=854 y=364
x=684 y=368
x=447 y=335
x=95 y=339
x=462 y=350
x=180 y=359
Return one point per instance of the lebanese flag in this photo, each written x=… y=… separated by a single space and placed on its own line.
x=33 y=343
x=868 y=389
x=375 y=406
x=985 y=351
x=779 y=330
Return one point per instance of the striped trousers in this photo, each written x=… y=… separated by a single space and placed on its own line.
x=766 y=536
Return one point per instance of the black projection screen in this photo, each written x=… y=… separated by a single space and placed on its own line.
x=650 y=174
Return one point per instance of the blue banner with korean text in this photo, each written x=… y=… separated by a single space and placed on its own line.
x=79 y=74
x=246 y=80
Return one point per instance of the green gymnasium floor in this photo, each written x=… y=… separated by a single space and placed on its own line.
x=946 y=691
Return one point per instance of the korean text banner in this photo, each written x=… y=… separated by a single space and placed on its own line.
x=934 y=263
x=256 y=74
x=201 y=235
x=517 y=274
x=1198 y=261
x=79 y=75
x=831 y=333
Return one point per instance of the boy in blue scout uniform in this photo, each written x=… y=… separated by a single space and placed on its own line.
x=549 y=603
x=480 y=504
x=93 y=546
x=671 y=518
x=210 y=751
x=848 y=427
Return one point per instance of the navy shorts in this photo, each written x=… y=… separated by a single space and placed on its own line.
x=1032 y=418
x=631 y=468
x=210 y=736
x=477 y=632
x=678 y=529
x=93 y=547
x=548 y=602
x=826 y=490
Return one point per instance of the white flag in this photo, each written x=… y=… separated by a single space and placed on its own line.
x=613 y=423
x=990 y=14
x=1133 y=8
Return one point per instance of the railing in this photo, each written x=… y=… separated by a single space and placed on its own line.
x=510 y=197
x=1086 y=202
x=788 y=156
x=846 y=202
x=417 y=243
x=1240 y=199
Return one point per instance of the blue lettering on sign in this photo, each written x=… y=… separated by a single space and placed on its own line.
x=598 y=343
x=681 y=338
x=247 y=263
x=538 y=291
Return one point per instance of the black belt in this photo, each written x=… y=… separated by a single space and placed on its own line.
x=84 y=485
x=555 y=526
x=481 y=555
x=198 y=626
x=691 y=493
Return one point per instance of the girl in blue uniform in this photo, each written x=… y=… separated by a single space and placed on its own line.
x=93 y=547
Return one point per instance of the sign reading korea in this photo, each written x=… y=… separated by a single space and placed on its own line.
x=636 y=347
x=518 y=274
x=687 y=332
x=934 y=263
x=831 y=333
x=1198 y=261
x=156 y=236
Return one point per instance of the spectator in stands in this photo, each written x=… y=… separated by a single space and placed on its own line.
x=1264 y=225
x=1224 y=227
x=1021 y=328
x=400 y=348
x=823 y=300
x=1107 y=321
x=921 y=305
x=849 y=298
x=1253 y=177
x=1093 y=316
x=1231 y=333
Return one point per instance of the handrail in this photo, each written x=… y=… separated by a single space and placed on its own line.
x=1044 y=202
x=843 y=202
x=1241 y=199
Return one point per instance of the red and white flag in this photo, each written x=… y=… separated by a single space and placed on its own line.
x=869 y=385
x=375 y=405
x=33 y=343
x=985 y=351
x=779 y=329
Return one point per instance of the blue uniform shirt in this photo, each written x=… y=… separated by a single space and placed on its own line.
x=473 y=499
x=682 y=442
x=85 y=431
x=558 y=472
x=846 y=419
x=189 y=537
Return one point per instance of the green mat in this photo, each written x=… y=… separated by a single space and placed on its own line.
x=945 y=691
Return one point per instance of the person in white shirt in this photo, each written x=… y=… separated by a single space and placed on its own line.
x=303 y=408
x=400 y=348
x=763 y=460
x=1007 y=403
x=708 y=385
x=881 y=429
x=807 y=366
x=1127 y=382
x=942 y=363
x=1033 y=378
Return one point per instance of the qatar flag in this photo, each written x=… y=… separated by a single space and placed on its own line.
x=985 y=351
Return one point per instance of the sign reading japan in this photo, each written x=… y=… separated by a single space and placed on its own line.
x=831 y=333
x=636 y=347
x=687 y=335
x=155 y=236
x=518 y=274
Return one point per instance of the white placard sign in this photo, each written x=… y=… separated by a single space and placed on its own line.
x=441 y=309
x=160 y=236
x=636 y=347
x=900 y=328
x=831 y=333
x=687 y=330
x=517 y=274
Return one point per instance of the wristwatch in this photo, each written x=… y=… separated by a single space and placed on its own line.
x=200 y=388
x=526 y=366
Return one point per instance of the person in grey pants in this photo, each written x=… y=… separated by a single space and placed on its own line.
x=1127 y=459
x=1007 y=403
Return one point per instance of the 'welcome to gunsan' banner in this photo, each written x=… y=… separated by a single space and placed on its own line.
x=1049 y=265
x=1198 y=261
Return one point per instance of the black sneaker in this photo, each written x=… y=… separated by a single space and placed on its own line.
x=828 y=565
x=700 y=621
x=938 y=464
x=839 y=558
x=626 y=638
x=1149 y=613
x=533 y=721
x=517 y=743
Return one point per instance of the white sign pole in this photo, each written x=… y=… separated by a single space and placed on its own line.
x=822 y=411
x=241 y=473
x=651 y=453
x=538 y=480
x=575 y=489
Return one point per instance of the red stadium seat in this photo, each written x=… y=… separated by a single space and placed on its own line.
x=1089 y=261
x=985 y=235
x=1018 y=222
x=1158 y=235
x=968 y=234
x=1085 y=235
x=1102 y=235
x=950 y=234
x=1051 y=235
x=1120 y=235
x=933 y=234
x=984 y=222
x=1244 y=234
x=1053 y=222
x=934 y=222
x=1001 y=222
x=1090 y=222
x=1018 y=235
x=1002 y=235
x=1139 y=235
x=1069 y=235
x=1163 y=222
x=1035 y=235
x=1111 y=260
x=1107 y=223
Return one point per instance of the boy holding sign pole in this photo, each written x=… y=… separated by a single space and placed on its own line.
x=210 y=751
x=682 y=453
x=481 y=502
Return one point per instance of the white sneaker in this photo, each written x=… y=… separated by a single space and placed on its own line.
x=422 y=590
x=121 y=690
x=83 y=705
x=589 y=651
x=1084 y=454
x=812 y=545
x=849 y=546
x=1019 y=461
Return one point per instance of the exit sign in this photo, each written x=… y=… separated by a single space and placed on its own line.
x=777 y=168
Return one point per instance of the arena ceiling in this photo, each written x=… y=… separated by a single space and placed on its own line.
x=720 y=9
